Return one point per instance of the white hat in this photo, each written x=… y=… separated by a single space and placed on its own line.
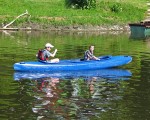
x=49 y=45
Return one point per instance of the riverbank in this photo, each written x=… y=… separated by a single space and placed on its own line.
x=45 y=27
x=53 y=15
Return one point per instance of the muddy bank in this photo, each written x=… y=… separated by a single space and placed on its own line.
x=43 y=27
x=88 y=28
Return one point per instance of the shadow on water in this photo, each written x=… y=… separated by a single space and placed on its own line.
x=139 y=36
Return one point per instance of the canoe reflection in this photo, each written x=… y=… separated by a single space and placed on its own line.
x=104 y=73
x=55 y=96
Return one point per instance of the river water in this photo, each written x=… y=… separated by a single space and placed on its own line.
x=116 y=94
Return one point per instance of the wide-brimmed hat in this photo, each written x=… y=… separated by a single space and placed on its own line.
x=49 y=45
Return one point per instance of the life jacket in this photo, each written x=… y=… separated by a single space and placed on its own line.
x=40 y=56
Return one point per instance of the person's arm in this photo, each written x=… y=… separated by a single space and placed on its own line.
x=91 y=56
x=53 y=54
x=95 y=58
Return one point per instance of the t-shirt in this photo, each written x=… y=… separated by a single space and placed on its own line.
x=88 y=55
x=46 y=53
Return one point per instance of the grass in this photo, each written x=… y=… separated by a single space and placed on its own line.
x=54 y=12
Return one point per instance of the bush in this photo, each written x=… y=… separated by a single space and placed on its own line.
x=116 y=7
x=81 y=4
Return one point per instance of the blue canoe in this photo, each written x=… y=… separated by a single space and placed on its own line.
x=76 y=64
x=120 y=74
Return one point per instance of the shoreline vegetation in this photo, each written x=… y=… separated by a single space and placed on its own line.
x=109 y=15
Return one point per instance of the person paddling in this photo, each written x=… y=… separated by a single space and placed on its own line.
x=88 y=55
x=43 y=55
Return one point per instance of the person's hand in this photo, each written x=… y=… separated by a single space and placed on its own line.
x=55 y=50
x=97 y=59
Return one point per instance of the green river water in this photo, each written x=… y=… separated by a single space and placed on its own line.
x=80 y=98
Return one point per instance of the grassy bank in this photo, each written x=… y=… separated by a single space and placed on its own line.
x=54 y=12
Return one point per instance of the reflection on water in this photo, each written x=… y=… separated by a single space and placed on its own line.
x=77 y=98
x=103 y=73
x=120 y=93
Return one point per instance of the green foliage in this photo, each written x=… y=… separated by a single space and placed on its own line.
x=54 y=12
x=116 y=7
x=81 y=4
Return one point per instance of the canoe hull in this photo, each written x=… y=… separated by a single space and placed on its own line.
x=73 y=65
